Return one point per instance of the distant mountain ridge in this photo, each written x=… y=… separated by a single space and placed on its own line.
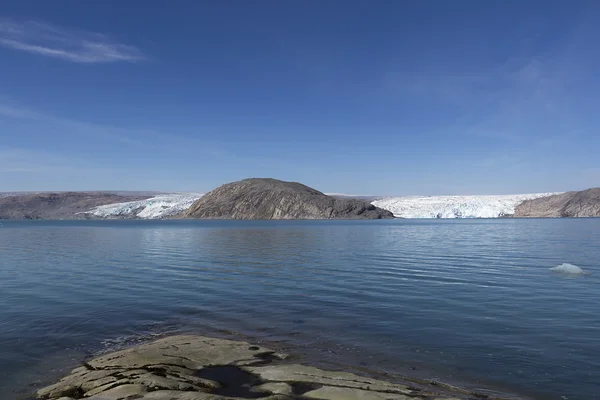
x=57 y=205
x=266 y=198
x=161 y=205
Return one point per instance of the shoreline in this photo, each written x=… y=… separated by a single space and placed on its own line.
x=413 y=371
x=170 y=368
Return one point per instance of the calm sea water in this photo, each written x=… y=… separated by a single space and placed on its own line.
x=469 y=301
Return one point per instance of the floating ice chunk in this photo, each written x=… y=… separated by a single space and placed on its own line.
x=567 y=268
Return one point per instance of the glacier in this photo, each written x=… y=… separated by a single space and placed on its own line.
x=157 y=207
x=485 y=206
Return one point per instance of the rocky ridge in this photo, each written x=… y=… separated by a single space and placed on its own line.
x=585 y=203
x=200 y=368
x=265 y=198
x=61 y=205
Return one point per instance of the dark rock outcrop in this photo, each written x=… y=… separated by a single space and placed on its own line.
x=62 y=205
x=264 y=198
x=585 y=203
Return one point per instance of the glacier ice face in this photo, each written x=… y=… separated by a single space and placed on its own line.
x=491 y=206
x=161 y=206
x=166 y=205
x=567 y=268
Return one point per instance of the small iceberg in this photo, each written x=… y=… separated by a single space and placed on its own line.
x=567 y=268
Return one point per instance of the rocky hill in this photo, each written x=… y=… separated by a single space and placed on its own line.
x=64 y=205
x=264 y=198
x=585 y=203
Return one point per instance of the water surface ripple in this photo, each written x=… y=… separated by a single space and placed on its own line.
x=469 y=301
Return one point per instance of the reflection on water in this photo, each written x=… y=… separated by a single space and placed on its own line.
x=470 y=301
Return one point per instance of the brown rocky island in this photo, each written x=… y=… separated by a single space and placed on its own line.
x=265 y=198
x=201 y=368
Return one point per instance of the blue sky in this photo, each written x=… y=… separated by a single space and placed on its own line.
x=385 y=97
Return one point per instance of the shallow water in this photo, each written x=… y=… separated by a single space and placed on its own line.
x=469 y=301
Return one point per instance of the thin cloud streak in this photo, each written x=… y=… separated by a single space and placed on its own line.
x=70 y=45
x=19 y=160
x=526 y=97
x=138 y=139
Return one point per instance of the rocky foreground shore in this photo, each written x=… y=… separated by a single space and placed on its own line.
x=201 y=368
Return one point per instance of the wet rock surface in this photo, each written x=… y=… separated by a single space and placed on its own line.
x=201 y=368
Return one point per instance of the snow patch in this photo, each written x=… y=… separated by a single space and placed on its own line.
x=567 y=268
x=157 y=207
x=492 y=206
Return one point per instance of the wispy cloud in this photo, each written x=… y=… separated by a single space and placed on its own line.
x=81 y=128
x=19 y=160
x=530 y=95
x=138 y=140
x=71 y=45
x=23 y=169
x=13 y=112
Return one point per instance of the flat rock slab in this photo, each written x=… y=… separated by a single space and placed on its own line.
x=202 y=368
